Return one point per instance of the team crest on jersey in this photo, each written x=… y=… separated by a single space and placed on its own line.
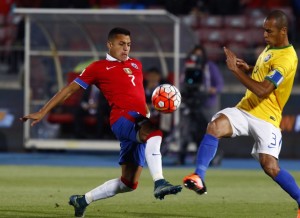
x=134 y=65
x=128 y=71
x=268 y=57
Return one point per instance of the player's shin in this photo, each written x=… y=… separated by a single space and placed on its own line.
x=109 y=189
x=153 y=155
x=206 y=152
x=288 y=183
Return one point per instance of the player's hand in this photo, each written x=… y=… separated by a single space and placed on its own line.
x=36 y=117
x=231 y=60
x=242 y=65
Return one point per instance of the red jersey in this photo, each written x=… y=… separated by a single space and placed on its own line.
x=120 y=82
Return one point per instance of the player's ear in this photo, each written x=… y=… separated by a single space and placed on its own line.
x=284 y=30
x=109 y=44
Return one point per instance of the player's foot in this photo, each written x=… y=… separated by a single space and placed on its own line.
x=195 y=183
x=298 y=214
x=79 y=207
x=163 y=187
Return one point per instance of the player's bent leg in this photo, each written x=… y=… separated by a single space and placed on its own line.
x=106 y=190
x=195 y=183
x=206 y=152
x=153 y=155
x=216 y=129
x=282 y=177
x=153 y=139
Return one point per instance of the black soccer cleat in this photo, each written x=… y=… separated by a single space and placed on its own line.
x=79 y=208
x=165 y=188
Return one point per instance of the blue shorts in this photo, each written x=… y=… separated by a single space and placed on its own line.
x=126 y=130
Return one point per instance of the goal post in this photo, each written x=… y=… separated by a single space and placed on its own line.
x=56 y=40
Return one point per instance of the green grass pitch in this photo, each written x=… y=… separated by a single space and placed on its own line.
x=31 y=191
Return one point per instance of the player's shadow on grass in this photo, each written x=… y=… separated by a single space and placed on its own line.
x=61 y=214
x=34 y=214
x=154 y=215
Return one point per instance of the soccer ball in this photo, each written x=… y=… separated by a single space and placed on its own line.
x=166 y=98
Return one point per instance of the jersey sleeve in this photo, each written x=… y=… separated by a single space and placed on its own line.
x=87 y=77
x=280 y=67
x=275 y=76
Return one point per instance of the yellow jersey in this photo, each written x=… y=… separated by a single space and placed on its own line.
x=279 y=66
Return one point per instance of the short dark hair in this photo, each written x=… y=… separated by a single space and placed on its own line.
x=280 y=17
x=117 y=30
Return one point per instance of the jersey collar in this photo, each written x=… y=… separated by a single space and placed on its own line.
x=111 y=58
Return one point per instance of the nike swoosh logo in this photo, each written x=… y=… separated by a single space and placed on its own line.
x=108 y=68
x=156 y=154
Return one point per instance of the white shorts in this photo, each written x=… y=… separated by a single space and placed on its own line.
x=267 y=137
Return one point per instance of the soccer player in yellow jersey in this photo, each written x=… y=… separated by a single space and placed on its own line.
x=259 y=112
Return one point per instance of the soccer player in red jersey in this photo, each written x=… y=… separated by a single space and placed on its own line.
x=120 y=79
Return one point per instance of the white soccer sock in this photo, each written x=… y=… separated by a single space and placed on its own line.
x=153 y=157
x=106 y=190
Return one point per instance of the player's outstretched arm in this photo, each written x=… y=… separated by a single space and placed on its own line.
x=260 y=89
x=59 y=97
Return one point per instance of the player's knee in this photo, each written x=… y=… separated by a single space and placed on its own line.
x=147 y=131
x=220 y=127
x=154 y=133
x=128 y=186
x=213 y=128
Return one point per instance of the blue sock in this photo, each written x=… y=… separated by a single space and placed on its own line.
x=288 y=184
x=206 y=152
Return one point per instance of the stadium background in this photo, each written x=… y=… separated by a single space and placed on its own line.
x=209 y=22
